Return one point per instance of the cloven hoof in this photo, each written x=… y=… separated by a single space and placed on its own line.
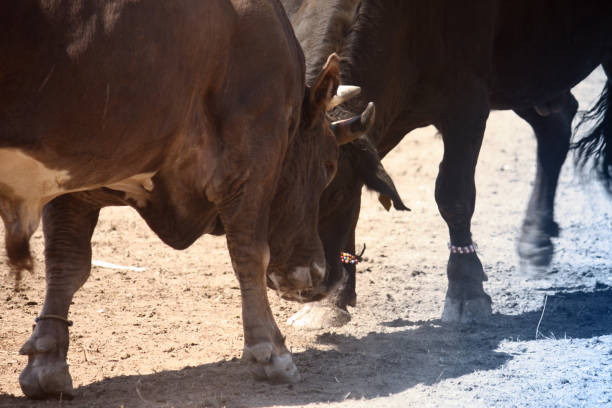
x=265 y=365
x=467 y=311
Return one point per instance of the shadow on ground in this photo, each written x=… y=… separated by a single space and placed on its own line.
x=375 y=365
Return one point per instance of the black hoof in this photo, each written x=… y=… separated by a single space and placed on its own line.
x=467 y=311
x=535 y=258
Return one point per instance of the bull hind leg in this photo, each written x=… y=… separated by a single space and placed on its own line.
x=68 y=224
x=552 y=127
x=462 y=130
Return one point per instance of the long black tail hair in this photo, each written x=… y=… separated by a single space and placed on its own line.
x=596 y=146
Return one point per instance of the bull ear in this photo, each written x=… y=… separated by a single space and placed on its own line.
x=325 y=85
x=374 y=175
x=381 y=182
x=348 y=130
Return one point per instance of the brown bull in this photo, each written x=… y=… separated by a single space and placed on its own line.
x=195 y=113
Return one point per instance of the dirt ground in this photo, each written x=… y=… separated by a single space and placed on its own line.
x=171 y=335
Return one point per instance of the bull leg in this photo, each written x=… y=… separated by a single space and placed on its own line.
x=462 y=131
x=264 y=345
x=243 y=200
x=553 y=134
x=348 y=294
x=68 y=225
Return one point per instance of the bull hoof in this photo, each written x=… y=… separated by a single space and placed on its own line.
x=46 y=375
x=265 y=365
x=536 y=250
x=533 y=271
x=51 y=381
x=316 y=316
x=467 y=311
x=535 y=259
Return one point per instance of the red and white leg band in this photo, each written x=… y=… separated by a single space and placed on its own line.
x=469 y=249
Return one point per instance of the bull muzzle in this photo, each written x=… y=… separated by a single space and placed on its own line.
x=301 y=284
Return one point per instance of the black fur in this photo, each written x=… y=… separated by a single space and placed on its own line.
x=596 y=146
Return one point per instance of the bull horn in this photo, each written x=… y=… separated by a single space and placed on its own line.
x=343 y=94
x=348 y=130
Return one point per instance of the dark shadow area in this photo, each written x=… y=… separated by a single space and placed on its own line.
x=375 y=365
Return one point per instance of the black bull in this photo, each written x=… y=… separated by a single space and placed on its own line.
x=449 y=64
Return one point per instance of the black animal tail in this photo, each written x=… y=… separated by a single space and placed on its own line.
x=596 y=146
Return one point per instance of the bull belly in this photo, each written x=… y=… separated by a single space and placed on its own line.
x=27 y=184
x=541 y=53
x=528 y=88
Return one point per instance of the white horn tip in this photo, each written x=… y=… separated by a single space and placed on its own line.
x=349 y=91
x=368 y=114
x=343 y=94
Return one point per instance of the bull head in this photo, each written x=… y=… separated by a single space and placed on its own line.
x=327 y=93
x=351 y=129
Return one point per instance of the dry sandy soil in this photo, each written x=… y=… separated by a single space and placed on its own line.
x=171 y=335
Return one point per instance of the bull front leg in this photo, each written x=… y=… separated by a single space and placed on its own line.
x=462 y=131
x=264 y=345
x=552 y=128
x=68 y=224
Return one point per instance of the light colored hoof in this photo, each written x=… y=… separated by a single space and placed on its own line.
x=531 y=271
x=316 y=316
x=468 y=311
x=267 y=366
x=47 y=374
x=535 y=260
x=48 y=381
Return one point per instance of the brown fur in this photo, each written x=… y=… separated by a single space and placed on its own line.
x=207 y=96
